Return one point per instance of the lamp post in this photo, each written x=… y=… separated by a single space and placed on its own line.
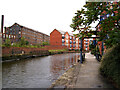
x=81 y=59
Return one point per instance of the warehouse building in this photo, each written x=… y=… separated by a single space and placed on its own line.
x=16 y=32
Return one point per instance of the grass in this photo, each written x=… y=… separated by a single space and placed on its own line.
x=57 y=51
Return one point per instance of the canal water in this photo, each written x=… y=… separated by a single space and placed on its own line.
x=36 y=72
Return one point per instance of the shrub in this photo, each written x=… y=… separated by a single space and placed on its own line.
x=7 y=43
x=110 y=66
x=44 y=43
x=93 y=51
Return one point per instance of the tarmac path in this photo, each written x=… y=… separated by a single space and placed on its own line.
x=89 y=75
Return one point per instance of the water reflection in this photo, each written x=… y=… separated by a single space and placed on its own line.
x=38 y=72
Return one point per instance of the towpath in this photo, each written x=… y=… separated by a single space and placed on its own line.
x=89 y=75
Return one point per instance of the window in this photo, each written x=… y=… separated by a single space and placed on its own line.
x=66 y=41
x=70 y=42
x=19 y=32
x=10 y=32
x=6 y=36
x=70 y=37
x=63 y=40
x=77 y=39
x=76 y=45
x=66 y=36
x=63 y=36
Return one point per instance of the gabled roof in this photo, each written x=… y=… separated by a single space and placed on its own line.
x=71 y=34
x=63 y=32
x=26 y=28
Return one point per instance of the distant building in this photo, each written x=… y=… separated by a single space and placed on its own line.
x=86 y=43
x=16 y=32
x=62 y=38
x=103 y=16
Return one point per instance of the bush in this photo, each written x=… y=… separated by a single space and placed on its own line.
x=44 y=43
x=93 y=51
x=7 y=43
x=110 y=66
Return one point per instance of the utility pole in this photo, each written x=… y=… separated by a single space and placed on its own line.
x=2 y=24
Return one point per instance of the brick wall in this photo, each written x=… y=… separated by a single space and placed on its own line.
x=19 y=50
x=54 y=47
x=23 y=50
x=100 y=46
x=55 y=38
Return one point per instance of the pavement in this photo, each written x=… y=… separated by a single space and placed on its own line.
x=89 y=75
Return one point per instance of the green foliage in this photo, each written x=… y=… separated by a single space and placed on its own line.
x=45 y=43
x=61 y=50
x=109 y=27
x=16 y=45
x=23 y=41
x=110 y=66
x=7 y=43
x=93 y=51
x=26 y=42
x=91 y=46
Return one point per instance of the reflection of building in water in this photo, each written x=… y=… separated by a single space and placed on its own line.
x=62 y=62
x=56 y=64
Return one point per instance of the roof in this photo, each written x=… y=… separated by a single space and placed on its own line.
x=63 y=32
x=71 y=34
x=27 y=28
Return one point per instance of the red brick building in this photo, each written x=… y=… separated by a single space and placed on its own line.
x=86 y=43
x=62 y=38
x=16 y=32
x=103 y=16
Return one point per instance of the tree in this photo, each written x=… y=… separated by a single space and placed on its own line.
x=91 y=12
x=23 y=41
x=7 y=43
x=44 y=43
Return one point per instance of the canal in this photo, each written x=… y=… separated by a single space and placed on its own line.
x=36 y=72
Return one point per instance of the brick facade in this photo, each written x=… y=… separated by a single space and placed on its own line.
x=62 y=38
x=16 y=32
x=55 y=38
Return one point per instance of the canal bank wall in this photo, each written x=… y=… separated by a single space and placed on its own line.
x=68 y=79
x=17 y=53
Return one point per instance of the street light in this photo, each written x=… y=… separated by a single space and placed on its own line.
x=81 y=59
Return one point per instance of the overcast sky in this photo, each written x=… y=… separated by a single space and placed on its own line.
x=40 y=15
